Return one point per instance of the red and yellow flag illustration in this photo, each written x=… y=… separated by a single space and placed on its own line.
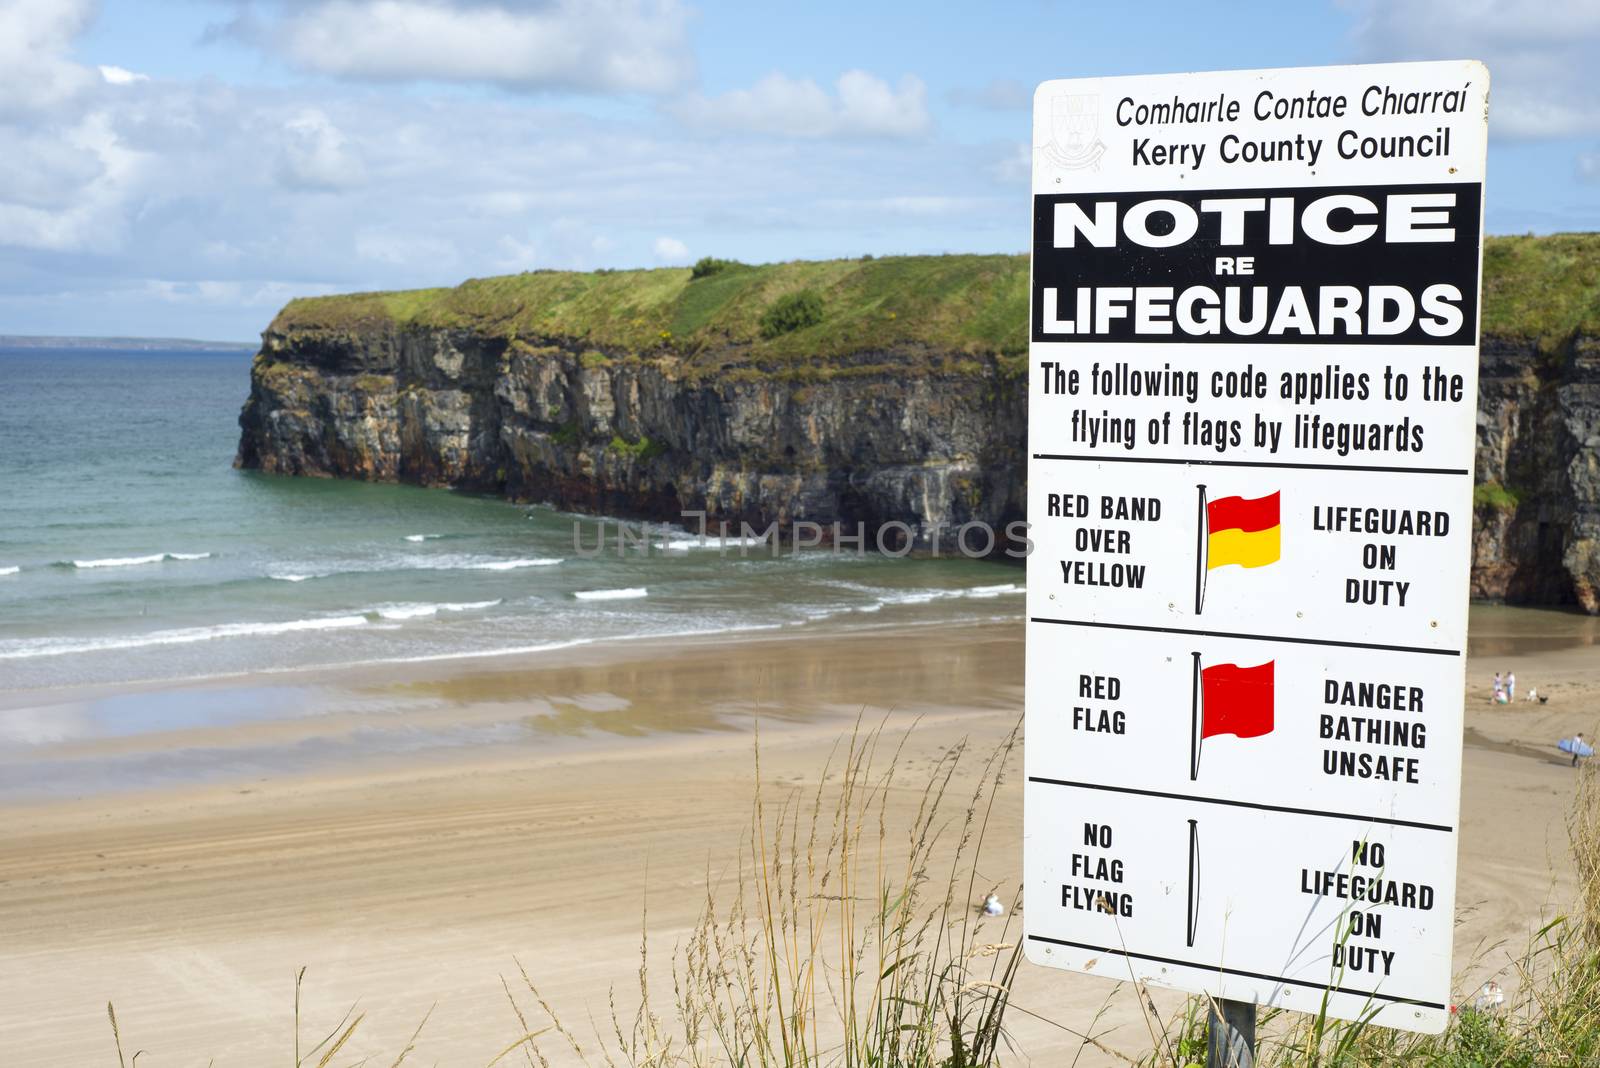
x=1236 y=700
x=1242 y=531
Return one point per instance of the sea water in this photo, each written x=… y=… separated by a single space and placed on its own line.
x=131 y=551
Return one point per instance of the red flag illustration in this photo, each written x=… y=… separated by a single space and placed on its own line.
x=1236 y=700
x=1241 y=513
x=1228 y=699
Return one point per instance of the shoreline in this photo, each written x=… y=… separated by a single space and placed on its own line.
x=841 y=621
x=457 y=709
x=1577 y=629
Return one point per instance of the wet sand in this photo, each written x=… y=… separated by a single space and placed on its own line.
x=617 y=779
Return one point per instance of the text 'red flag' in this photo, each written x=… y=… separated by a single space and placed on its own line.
x=1242 y=531
x=1236 y=700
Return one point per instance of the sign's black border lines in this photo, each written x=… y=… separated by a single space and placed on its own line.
x=1395 y=998
x=1246 y=637
x=1357 y=817
x=1092 y=458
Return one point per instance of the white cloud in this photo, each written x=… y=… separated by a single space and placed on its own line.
x=313 y=153
x=1541 y=54
x=176 y=207
x=670 y=250
x=862 y=105
x=600 y=46
x=67 y=190
x=1589 y=167
x=121 y=75
x=35 y=73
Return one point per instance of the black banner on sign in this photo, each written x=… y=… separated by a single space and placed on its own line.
x=1352 y=265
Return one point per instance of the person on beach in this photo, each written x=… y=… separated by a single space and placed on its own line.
x=1577 y=747
x=1498 y=686
x=1511 y=686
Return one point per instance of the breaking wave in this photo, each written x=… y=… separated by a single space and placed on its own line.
x=131 y=561
x=499 y=565
x=425 y=610
x=444 y=562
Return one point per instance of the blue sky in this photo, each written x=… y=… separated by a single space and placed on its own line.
x=182 y=168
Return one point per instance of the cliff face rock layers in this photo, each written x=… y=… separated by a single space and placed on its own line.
x=547 y=424
x=651 y=394
x=1537 y=535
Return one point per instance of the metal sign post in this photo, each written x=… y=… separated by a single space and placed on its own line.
x=1252 y=402
x=1231 y=1035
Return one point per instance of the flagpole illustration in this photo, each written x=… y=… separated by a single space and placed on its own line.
x=1194 y=876
x=1200 y=553
x=1194 y=721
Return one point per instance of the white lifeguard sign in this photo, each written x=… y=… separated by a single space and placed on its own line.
x=1252 y=402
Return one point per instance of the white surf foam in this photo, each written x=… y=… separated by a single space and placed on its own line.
x=683 y=545
x=446 y=562
x=627 y=594
x=883 y=596
x=9 y=570
x=135 y=561
x=994 y=591
x=423 y=537
x=29 y=648
x=425 y=610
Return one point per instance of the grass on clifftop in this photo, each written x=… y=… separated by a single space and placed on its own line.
x=1543 y=288
x=965 y=305
x=1546 y=288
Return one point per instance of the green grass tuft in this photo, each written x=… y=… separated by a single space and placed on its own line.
x=791 y=312
x=643 y=449
x=706 y=266
x=1494 y=495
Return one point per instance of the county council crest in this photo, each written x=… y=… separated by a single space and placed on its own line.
x=1074 y=125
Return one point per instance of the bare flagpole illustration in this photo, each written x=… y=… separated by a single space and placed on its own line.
x=1194 y=713
x=1194 y=876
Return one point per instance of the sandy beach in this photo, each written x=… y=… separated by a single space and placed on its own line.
x=617 y=779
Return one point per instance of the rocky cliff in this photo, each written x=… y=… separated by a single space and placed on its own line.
x=649 y=394
x=1537 y=531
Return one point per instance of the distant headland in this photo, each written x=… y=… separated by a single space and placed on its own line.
x=153 y=344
